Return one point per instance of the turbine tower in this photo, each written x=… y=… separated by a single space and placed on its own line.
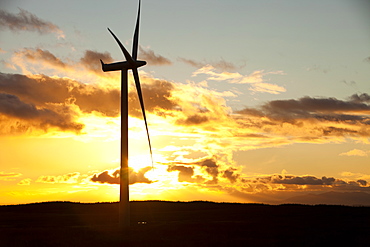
x=133 y=64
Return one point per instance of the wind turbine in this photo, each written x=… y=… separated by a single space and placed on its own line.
x=133 y=64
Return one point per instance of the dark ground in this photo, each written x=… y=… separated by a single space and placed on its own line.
x=184 y=224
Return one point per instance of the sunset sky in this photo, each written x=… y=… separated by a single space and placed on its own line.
x=247 y=101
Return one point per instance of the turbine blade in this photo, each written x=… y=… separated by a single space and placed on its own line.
x=135 y=44
x=138 y=88
x=125 y=52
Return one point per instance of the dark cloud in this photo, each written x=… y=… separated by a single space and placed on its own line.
x=362 y=182
x=186 y=174
x=139 y=177
x=42 y=91
x=152 y=58
x=195 y=119
x=26 y=21
x=105 y=177
x=211 y=168
x=231 y=175
x=157 y=98
x=333 y=183
x=11 y=106
x=221 y=65
x=305 y=180
x=114 y=178
x=91 y=60
x=308 y=106
x=353 y=112
x=360 y=98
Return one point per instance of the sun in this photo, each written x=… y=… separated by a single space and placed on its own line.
x=139 y=161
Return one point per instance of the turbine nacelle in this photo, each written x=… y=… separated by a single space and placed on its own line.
x=121 y=65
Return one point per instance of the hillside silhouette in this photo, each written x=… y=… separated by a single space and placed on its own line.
x=161 y=223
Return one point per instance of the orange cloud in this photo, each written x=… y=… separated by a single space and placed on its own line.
x=355 y=152
x=26 y=181
x=69 y=178
x=256 y=79
x=8 y=176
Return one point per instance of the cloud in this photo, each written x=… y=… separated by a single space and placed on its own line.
x=195 y=119
x=193 y=108
x=11 y=106
x=157 y=96
x=318 y=69
x=211 y=168
x=231 y=175
x=26 y=21
x=26 y=181
x=139 y=176
x=206 y=171
x=305 y=183
x=186 y=174
x=210 y=165
x=114 y=178
x=105 y=177
x=69 y=178
x=360 y=98
x=152 y=58
x=9 y=175
x=221 y=65
x=191 y=62
x=256 y=79
x=362 y=182
x=314 y=117
x=356 y=176
x=304 y=180
x=87 y=67
x=91 y=60
x=262 y=188
x=355 y=152
x=163 y=98
x=39 y=56
x=42 y=90
x=305 y=105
